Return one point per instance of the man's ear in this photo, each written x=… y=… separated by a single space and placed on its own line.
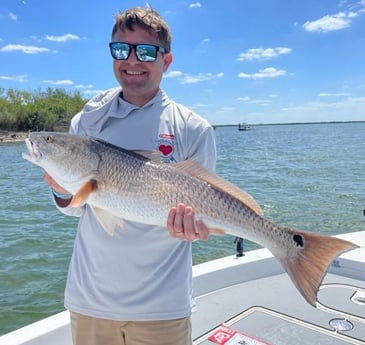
x=167 y=59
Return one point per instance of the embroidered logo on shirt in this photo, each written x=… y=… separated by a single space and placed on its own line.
x=165 y=144
x=165 y=149
x=166 y=136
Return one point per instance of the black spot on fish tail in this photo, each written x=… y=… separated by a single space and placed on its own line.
x=309 y=266
x=298 y=239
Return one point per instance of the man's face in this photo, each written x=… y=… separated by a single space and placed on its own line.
x=140 y=80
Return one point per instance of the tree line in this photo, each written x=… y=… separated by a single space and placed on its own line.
x=50 y=109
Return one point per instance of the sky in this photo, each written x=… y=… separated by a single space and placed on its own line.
x=256 y=61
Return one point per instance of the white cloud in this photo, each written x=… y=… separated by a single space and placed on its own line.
x=13 y=16
x=227 y=109
x=63 y=38
x=328 y=23
x=81 y=86
x=173 y=74
x=248 y=100
x=195 y=5
x=350 y=108
x=59 y=82
x=352 y=14
x=200 y=77
x=269 y=72
x=263 y=54
x=201 y=105
x=24 y=49
x=205 y=41
x=336 y=21
x=243 y=99
x=324 y=94
x=192 y=79
x=328 y=111
x=260 y=101
x=18 y=78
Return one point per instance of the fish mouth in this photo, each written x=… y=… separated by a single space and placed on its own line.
x=33 y=153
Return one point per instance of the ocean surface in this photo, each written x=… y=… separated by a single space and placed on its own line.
x=309 y=176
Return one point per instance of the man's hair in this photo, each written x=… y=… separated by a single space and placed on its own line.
x=146 y=18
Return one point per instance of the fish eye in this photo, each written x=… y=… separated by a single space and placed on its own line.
x=49 y=139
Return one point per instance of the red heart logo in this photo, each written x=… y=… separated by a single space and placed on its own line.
x=165 y=149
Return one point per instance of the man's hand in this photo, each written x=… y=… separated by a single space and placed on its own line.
x=181 y=224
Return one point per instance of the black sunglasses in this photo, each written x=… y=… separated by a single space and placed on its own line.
x=144 y=52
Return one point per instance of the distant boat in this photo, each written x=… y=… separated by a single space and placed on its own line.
x=244 y=126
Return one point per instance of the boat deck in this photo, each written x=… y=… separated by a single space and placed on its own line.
x=254 y=296
x=272 y=310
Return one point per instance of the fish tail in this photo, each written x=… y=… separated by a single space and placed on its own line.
x=308 y=268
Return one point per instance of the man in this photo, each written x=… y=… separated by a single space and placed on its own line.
x=135 y=288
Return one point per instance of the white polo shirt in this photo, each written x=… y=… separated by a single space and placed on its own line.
x=141 y=273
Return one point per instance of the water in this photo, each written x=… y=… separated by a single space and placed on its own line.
x=310 y=177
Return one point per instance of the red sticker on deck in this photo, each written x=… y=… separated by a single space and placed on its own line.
x=228 y=336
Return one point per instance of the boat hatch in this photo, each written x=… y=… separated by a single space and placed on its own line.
x=274 y=328
x=359 y=297
x=343 y=300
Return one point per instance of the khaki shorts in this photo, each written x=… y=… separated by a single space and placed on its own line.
x=93 y=331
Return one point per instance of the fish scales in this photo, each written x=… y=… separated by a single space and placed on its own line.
x=155 y=188
x=120 y=184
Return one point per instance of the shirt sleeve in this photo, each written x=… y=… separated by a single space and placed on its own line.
x=203 y=150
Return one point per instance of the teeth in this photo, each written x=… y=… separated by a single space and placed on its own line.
x=134 y=72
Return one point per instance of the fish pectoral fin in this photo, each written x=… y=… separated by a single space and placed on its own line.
x=308 y=268
x=82 y=195
x=107 y=220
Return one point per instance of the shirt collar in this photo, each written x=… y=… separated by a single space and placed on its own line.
x=112 y=105
x=122 y=108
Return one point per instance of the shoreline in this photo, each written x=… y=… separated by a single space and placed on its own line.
x=12 y=137
x=18 y=136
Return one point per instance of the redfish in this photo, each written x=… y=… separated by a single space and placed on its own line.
x=129 y=185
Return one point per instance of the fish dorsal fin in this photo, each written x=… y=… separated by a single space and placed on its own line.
x=154 y=156
x=194 y=168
